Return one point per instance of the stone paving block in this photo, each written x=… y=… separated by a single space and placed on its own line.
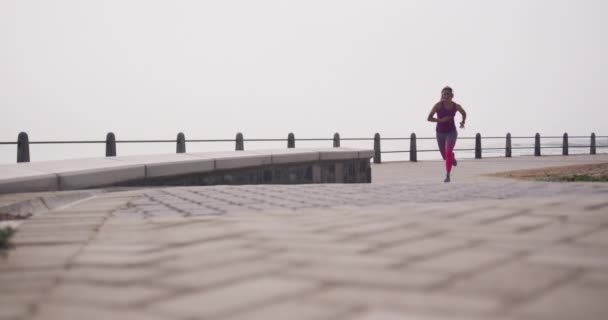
x=398 y=237
x=410 y=301
x=367 y=276
x=59 y=224
x=113 y=259
x=195 y=234
x=594 y=218
x=281 y=237
x=121 y=248
x=104 y=295
x=395 y=314
x=512 y=281
x=21 y=298
x=572 y=256
x=567 y=302
x=111 y=275
x=598 y=238
x=527 y=222
x=51 y=238
x=424 y=247
x=102 y=205
x=60 y=218
x=294 y=310
x=321 y=248
x=184 y=263
x=233 y=299
x=48 y=257
x=460 y=261
x=205 y=277
x=62 y=311
x=25 y=285
x=23 y=274
x=335 y=260
x=560 y=231
x=13 y=311
x=594 y=279
x=369 y=228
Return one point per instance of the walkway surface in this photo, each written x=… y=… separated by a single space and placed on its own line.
x=406 y=246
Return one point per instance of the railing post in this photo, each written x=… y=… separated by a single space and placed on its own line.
x=336 y=140
x=240 y=145
x=377 y=157
x=413 y=149
x=110 y=145
x=508 y=146
x=565 y=144
x=23 y=147
x=592 y=149
x=181 y=143
x=291 y=140
x=478 y=146
x=537 y=145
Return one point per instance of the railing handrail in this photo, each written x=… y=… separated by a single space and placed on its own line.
x=272 y=139
x=110 y=142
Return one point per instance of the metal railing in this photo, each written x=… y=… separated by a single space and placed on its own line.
x=23 y=143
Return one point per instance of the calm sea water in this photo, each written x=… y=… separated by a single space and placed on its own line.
x=551 y=146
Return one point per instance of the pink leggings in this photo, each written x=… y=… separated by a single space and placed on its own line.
x=446 y=142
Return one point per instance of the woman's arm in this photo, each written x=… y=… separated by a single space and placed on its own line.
x=432 y=113
x=463 y=113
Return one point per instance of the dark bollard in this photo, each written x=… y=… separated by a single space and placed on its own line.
x=291 y=140
x=23 y=147
x=240 y=145
x=565 y=145
x=110 y=145
x=181 y=143
x=478 y=146
x=592 y=149
x=377 y=157
x=336 y=140
x=537 y=145
x=508 y=146
x=413 y=149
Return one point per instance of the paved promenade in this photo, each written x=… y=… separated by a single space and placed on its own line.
x=406 y=246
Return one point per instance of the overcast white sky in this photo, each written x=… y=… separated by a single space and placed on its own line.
x=149 y=68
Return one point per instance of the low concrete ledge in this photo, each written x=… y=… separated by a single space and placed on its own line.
x=333 y=165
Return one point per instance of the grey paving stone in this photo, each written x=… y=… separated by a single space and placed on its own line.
x=235 y=298
x=104 y=295
x=61 y=311
x=367 y=276
x=567 y=302
x=403 y=246
x=515 y=281
x=294 y=310
x=411 y=301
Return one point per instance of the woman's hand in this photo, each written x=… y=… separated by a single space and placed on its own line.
x=445 y=119
x=461 y=124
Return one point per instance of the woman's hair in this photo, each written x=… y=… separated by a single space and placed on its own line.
x=447 y=89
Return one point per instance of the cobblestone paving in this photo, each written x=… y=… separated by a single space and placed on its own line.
x=479 y=248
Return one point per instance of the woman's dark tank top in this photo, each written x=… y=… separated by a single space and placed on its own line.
x=442 y=112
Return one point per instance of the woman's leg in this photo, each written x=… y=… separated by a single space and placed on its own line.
x=450 y=142
x=441 y=143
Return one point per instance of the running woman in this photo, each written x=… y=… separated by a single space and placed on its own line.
x=446 y=128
